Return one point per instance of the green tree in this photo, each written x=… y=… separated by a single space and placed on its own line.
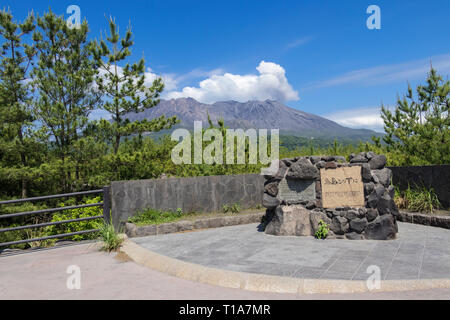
x=125 y=88
x=16 y=120
x=419 y=126
x=64 y=79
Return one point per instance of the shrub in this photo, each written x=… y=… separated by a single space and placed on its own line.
x=419 y=199
x=111 y=239
x=81 y=225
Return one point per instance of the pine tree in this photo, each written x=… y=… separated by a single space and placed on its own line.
x=125 y=88
x=419 y=126
x=15 y=114
x=64 y=80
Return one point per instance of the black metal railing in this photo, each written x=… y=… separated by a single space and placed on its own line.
x=106 y=204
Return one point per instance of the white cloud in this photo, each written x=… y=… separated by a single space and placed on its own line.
x=170 y=80
x=360 y=118
x=271 y=83
x=411 y=70
x=299 y=42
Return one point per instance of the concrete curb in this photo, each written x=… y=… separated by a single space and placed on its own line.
x=262 y=282
x=424 y=219
x=132 y=230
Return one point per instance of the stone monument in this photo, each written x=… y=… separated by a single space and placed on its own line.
x=355 y=198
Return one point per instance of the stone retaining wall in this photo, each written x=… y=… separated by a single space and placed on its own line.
x=193 y=194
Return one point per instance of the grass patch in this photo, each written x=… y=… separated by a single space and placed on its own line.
x=153 y=216
x=111 y=239
x=417 y=199
x=233 y=208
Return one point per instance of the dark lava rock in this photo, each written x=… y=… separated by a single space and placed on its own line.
x=379 y=189
x=368 y=188
x=315 y=159
x=340 y=159
x=271 y=187
x=270 y=202
x=310 y=205
x=370 y=155
x=339 y=225
x=386 y=205
x=330 y=213
x=377 y=162
x=375 y=195
x=359 y=159
x=372 y=214
x=328 y=158
x=288 y=162
x=372 y=200
x=342 y=208
x=320 y=164
x=365 y=173
x=358 y=225
x=303 y=169
x=362 y=212
x=384 y=176
x=382 y=228
x=281 y=171
x=351 y=214
x=391 y=191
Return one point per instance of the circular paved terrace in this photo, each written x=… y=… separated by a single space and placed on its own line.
x=419 y=252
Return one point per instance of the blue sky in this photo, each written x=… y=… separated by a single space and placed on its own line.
x=317 y=56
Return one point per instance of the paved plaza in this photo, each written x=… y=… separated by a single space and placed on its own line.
x=419 y=252
x=42 y=275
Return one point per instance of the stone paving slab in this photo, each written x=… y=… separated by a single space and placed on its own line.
x=419 y=252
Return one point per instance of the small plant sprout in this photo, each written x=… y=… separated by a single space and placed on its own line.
x=322 y=231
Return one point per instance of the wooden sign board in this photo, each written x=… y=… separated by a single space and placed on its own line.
x=342 y=187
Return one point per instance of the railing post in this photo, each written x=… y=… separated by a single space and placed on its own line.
x=107 y=204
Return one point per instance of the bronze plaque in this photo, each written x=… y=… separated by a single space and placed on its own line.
x=297 y=190
x=342 y=187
